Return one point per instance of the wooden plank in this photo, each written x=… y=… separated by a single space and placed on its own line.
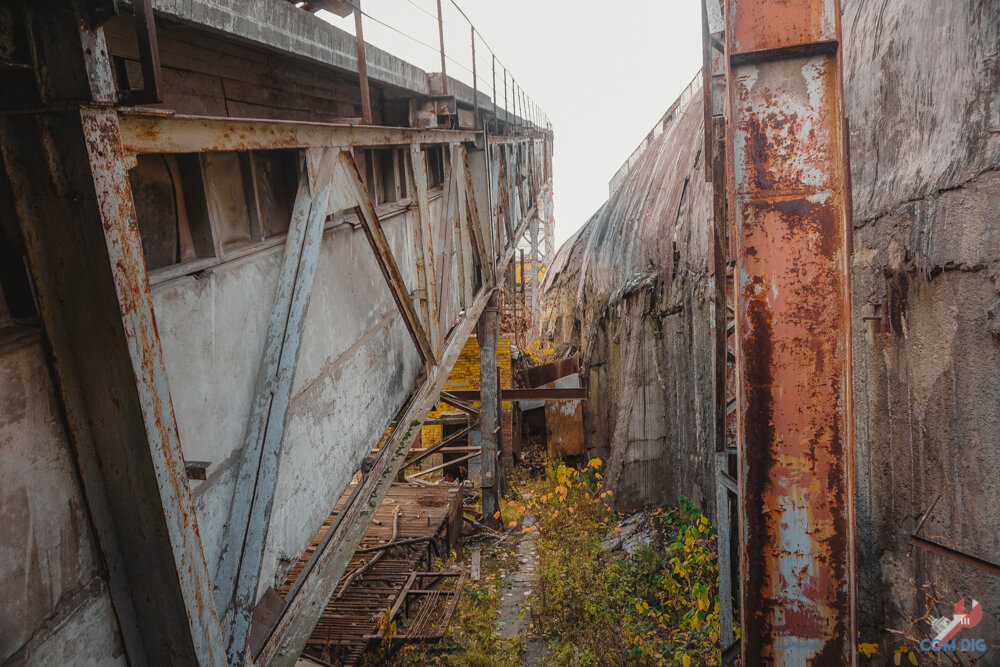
x=474 y=566
x=383 y=255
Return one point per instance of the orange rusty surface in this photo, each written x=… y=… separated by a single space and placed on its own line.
x=756 y=25
x=793 y=319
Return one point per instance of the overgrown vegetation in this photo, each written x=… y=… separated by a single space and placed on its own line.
x=657 y=606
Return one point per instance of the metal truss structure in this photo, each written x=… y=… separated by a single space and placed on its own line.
x=68 y=161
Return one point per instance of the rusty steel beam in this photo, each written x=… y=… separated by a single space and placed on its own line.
x=955 y=554
x=149 y=57
x=351 y=178
x=444 y=68
x=150 y=132
x=238 y=574
x=68 y=175
x=359 y=45
x=789 y=203
x=424 y=245
x=305 y=602
x=536 y=394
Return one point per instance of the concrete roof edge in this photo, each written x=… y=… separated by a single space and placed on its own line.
x=279 y=25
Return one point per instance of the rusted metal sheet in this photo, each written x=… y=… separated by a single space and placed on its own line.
x=537 y=376
x=564 y=421
x=791 y=222
x=149 y=132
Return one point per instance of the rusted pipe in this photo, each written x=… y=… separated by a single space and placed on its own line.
x=954 y=554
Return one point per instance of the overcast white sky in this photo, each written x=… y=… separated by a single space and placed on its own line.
x=604 y=72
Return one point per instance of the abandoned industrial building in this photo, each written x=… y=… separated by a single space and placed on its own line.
x=292 y=371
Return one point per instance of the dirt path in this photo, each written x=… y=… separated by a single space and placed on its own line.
x=514 y=618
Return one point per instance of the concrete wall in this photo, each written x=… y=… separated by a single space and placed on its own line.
x=923 y=98
x=922 y=84
x=356 y=366
x=57 y=608
x=641 y=318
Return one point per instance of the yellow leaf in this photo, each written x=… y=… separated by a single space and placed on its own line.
x=694 y=621
x=512 y=524
x=555 y=514
x=496 y=515
x=686 y=660
x=868 y=649
x=610 y=492
x=594 y=463
x=645 y=605
x=896 y=657
x=598 y=475
x=913 y=658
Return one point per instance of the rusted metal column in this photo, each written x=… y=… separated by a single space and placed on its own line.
x=533 y=227
x=789 y=204
x=475 y=79
x=506 y=114
x=489 y=410
x=68 y=175
x=444 y=68
x=359 y=44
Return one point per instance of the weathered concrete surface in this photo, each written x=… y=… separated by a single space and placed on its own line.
x=51 y=578
x=923 y=99
x=922 y=93
x=212 y=327
x=641 y=318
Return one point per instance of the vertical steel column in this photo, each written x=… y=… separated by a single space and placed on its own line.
x=789 y=204
x=475 y=79
x=506 y=114
x=489 y=409
x=359 y=44
x=533 y=227
x=444 y=68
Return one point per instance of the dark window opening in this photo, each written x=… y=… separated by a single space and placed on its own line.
x=434 y=158
x=170 y=209
x=275 y=180
x=227 y=197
